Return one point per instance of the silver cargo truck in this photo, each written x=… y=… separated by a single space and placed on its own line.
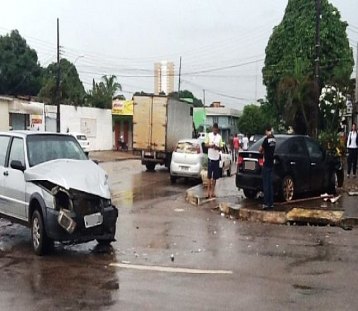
x=159 y=122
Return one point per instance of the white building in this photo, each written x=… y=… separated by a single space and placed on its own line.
x=163 y=77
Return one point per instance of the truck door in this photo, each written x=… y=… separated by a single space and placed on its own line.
x=159 y=123
x=142 y=122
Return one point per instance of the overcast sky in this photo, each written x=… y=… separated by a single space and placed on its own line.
x=126 y=37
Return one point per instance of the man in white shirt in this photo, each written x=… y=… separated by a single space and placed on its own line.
x=214 y=144
x=352 y=146
x=245 y=143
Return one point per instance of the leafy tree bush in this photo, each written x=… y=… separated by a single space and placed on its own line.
x=20 y=72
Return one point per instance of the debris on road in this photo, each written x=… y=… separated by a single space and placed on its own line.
x=172 y=257
x=334 y=200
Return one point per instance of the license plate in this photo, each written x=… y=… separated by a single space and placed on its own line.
x=93 y=220
x=149 y=154
x=250 y=165
x=184 y=168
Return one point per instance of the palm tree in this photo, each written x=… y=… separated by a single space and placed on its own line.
x=297 y=92
x=110 y=85
x=103 y=92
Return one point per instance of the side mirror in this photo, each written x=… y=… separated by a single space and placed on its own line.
x=17 y=165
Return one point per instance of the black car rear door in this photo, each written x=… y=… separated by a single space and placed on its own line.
x=297 y=163
x=317 y=164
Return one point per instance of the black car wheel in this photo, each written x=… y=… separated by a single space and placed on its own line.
x=340 y=178
x=250 y=194
x=288 y=188
x=40 y=242
x=336 y=181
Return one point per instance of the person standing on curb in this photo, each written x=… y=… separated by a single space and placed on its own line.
x=236 y=145
x=268 y=149
x=213 y=143
x=352 y=146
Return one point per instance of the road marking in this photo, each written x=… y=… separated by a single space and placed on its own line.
x=169 y=269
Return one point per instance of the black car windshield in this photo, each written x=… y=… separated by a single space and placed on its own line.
x=43 y=148
x=279 y=140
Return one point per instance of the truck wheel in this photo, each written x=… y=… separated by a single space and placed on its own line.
x=150 y=167
x=40 y=242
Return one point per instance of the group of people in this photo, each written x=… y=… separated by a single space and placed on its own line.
x=214 y=144
x=237 y=145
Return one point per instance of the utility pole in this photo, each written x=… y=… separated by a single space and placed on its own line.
x=58 y=79
x=179 y=78
x=317 y=65
x=204 y=97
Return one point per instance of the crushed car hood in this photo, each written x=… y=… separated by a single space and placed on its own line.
x=82 y=175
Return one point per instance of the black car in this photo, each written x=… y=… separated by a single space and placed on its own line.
x=301 y=165
x=254 y=138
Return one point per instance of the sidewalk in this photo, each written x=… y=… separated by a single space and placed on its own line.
x=111 y=156
x=232 y=202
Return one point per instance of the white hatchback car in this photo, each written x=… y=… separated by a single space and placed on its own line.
x=225 y=161
x=187 y=160
x=48 y=184
x=83 y=141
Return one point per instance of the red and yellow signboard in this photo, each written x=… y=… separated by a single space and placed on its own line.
x=122 y=107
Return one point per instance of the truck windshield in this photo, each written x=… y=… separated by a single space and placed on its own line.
x=43 y=148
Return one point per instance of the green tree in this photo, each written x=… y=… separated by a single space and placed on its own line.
x=20 y=72
x=252 y=120
x=71 y=88
x=102 y=93
x=294 y=39
x=185 y=94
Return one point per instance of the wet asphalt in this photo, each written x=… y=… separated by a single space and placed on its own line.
x=253 y=266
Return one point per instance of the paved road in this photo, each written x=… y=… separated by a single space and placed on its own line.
x=217 y=263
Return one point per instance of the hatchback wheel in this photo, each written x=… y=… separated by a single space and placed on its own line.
x=250 y=194
x=288 y=188
x=40 y=241
x=229 y=171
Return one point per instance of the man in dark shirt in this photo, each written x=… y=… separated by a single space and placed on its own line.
x=268 y=150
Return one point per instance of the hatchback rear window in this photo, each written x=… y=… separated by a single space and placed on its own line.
x=81 y=137
x=188 y=147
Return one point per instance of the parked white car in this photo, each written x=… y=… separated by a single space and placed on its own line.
x=48 y=184
x=225 y=161
x=187 y=160
x=83 y=141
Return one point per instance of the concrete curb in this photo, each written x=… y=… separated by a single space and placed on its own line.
x=289 y=215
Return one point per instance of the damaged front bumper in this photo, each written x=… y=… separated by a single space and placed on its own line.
x=105 y=231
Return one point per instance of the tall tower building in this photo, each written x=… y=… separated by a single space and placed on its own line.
x=163 y=77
